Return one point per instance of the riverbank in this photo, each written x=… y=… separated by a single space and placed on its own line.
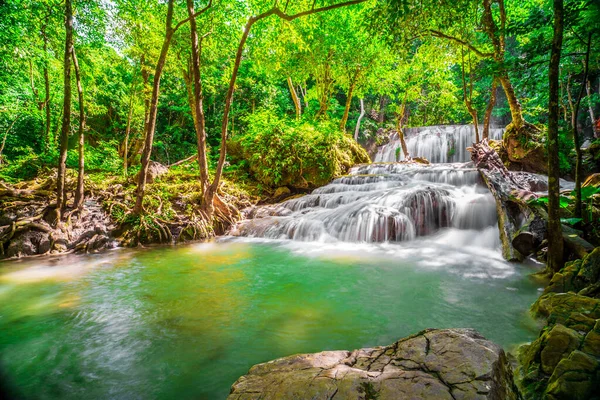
x=172 y=213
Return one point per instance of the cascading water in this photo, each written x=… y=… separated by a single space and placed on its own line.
x=393 y=202
x=383 y=203
x=438 y=144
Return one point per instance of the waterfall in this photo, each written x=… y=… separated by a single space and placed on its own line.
x=438 y=144
x=384 y=203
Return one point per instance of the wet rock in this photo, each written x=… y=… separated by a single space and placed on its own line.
x=433 y=364
x=575 y=378
x=524 y=242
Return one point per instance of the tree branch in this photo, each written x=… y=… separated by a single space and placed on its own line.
x=475 y=50
x=197 y=13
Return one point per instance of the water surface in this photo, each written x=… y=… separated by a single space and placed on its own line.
x=186 y=322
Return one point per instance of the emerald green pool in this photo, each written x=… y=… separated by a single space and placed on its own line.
x=185 y=322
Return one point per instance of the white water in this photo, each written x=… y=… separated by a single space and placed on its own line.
x=379 y=203
x=438 y=144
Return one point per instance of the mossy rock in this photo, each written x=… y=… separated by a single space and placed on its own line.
x=558 y=307
x=575 y=378
x=525 y=149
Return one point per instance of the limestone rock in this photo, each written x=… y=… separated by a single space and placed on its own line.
x=433 y=364
x=155 y=170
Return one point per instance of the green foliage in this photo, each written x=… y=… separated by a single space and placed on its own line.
x=543 y=200
x=280 y=151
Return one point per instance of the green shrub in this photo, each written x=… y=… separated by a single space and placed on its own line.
x=280 y=151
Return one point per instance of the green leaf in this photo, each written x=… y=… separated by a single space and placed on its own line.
x=571 y=221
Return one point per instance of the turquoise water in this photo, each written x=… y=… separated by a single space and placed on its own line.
x=186 y=322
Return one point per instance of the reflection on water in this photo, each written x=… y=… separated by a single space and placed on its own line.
x=186 y=322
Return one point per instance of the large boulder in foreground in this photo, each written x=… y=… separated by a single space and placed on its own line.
x=433 y=364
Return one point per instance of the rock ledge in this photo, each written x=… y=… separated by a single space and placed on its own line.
x=433 y=364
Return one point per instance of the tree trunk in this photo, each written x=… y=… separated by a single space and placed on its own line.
x=4 y=139
x=400 y=117
x=468 y=96
x=198 y=109
x=360 y=117
x=555 y=240
x=488 y=111
x=46 y=90
x=152 y=112
x=295 y=98
x=382 y=103
x=347 y=108
x=128 y=127
x=590 y=108
x=576 y=138
x=516 y=112
x=79 y=192
x=61 y=196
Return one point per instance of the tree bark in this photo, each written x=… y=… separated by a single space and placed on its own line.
x=360 y=117
x=468 y=96
x=198 y=109
x=79 y=192
x=349 y=96
x=555 y=240
x=61 y=195
x=400 y=117
x=576 y=138
x=295 y=98
x=128 y=127
x=488 y=111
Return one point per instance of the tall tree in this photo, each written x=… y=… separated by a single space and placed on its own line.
x=576 y=137
x=153 y=106
x=79 y=191
x=61 y=195
x=555 y=240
